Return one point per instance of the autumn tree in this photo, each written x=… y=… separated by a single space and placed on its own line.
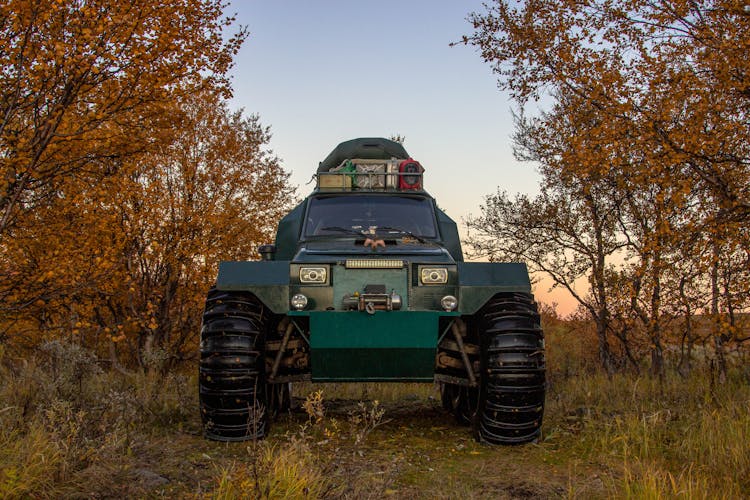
x=84 y=83
x=214 y=194
x=569 y=232
x=84 y=86
x=125 y=176
x=668 y=83
x=124 y=265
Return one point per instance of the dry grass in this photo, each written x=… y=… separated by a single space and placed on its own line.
x=271 y=470
x=658 y=439
x=69 y=429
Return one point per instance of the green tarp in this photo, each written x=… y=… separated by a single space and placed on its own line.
x=368 y=148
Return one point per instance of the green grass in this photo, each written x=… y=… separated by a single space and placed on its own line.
x=68 y=428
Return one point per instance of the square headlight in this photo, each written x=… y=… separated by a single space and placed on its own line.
x=313 y=275
x=433 y=276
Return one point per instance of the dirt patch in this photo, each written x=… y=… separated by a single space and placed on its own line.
x=421 y=452
x=416 y=449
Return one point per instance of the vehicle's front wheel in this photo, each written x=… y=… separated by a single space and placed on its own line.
x=232 y=386
x=512 y=380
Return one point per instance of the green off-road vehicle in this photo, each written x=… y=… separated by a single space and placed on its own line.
x=367 y=283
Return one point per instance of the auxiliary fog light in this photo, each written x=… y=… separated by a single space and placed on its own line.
x=449 y=302
x=299 y=301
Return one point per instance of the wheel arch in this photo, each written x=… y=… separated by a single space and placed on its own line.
x=267 y=280
x=479 y=282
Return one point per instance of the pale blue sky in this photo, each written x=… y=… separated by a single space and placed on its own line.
x=321 y=72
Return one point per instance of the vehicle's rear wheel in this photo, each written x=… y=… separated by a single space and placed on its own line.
x=460 y=400
x=279 y=398
x=447 y=395
x=232 y=386
x=512 y=384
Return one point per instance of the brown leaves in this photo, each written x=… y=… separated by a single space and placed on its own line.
x=649 y=124
x=128 y=258
x=125 y=177
x=86 y=81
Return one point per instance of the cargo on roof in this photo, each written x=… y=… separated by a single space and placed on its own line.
x=366 y=148
x=369 y=163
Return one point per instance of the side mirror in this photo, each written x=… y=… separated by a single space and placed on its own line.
x=267 y=252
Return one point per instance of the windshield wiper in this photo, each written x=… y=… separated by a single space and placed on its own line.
x=346 y=230
x=403 y=232
x=363 y=234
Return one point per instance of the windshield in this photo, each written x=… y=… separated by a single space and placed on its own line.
x=361 y=213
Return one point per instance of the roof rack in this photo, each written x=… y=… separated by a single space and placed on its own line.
x=361 y=174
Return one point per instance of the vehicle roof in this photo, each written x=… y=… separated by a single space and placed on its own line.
x=372 y=148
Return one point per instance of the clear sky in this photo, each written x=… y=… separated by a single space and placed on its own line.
x=325 y=71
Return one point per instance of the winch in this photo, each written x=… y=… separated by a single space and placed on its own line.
x=374 y=298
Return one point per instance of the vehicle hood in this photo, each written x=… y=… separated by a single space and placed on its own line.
x=335 y=249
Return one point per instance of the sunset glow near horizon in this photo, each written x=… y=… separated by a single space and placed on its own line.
x=319 y=73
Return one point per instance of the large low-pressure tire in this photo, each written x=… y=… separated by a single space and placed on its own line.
x=512 y=380
x=232 y=387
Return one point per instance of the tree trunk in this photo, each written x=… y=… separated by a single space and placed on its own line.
x=686 y=345
x=605 y=353
x=654 y=324
x=721 y=362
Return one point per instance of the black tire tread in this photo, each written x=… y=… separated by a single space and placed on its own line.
x=512 y=390
x=231 y=372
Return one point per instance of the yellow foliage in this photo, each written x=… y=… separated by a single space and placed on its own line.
x=124 y=177
x=643 y=153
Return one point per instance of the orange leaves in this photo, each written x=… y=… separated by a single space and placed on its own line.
x=648 y=132
x=131 y=254
x=93 y=72
x=109 y=226
x=660 y=89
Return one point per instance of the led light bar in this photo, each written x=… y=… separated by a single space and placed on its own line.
x=374 y=264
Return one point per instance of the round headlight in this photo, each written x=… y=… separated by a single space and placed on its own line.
x=299 y=301
x=449 y=302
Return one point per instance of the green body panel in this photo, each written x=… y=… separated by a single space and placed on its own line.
x=479 y=281
x=268 y=280
x=287 y=235
x=385 y=346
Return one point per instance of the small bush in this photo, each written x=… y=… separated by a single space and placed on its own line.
x=66 y=426
x=288 y=470
x=364 y=419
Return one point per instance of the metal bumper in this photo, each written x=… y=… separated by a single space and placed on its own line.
x=396 y=346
